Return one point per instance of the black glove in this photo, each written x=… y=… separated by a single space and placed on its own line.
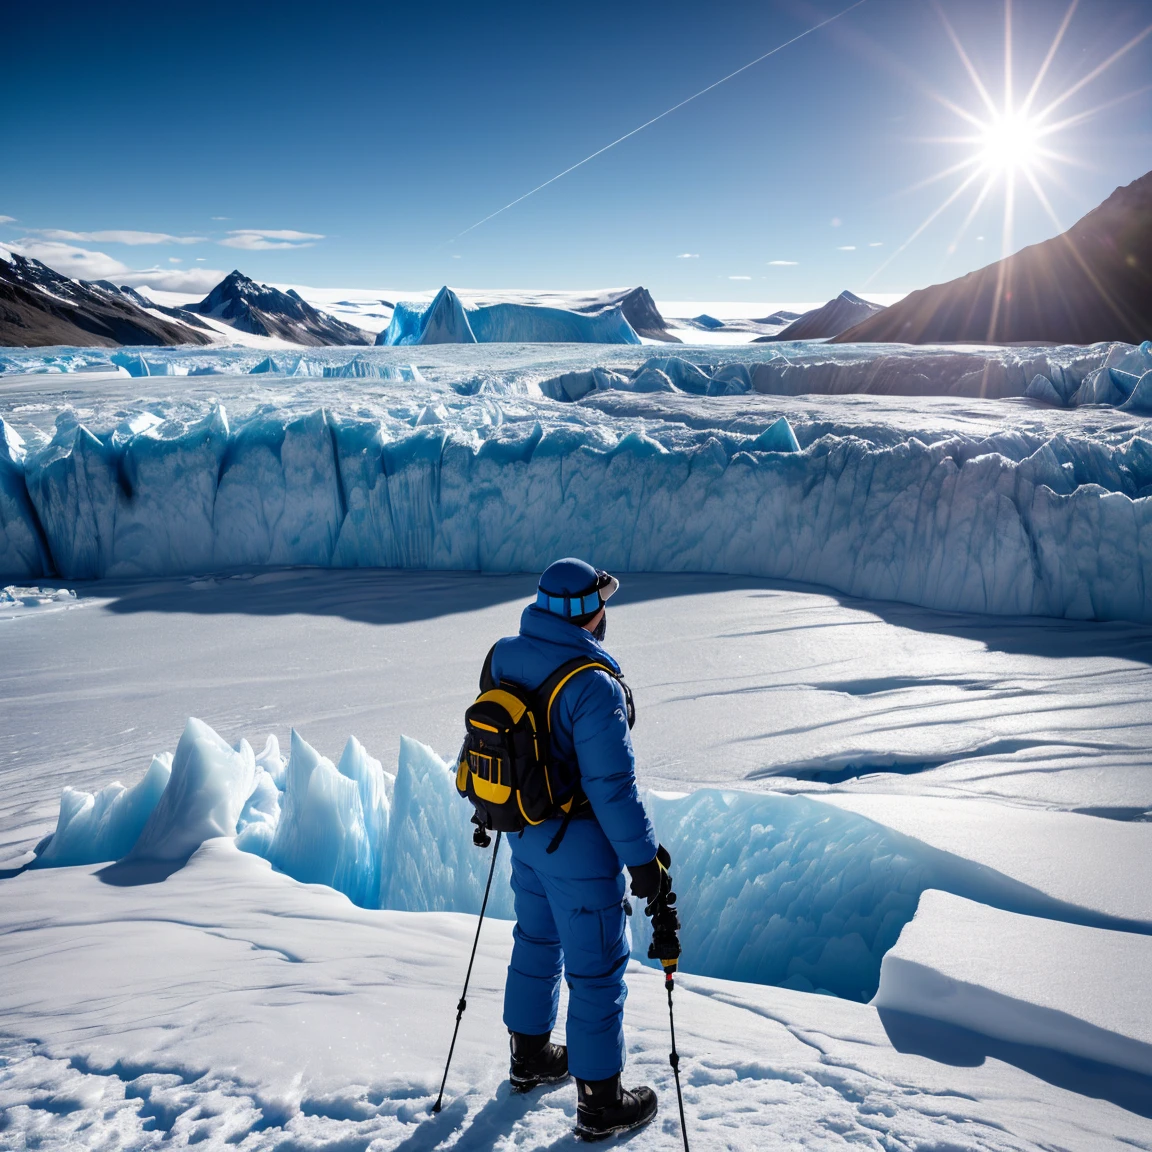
x=649 y=880
x=661 y=910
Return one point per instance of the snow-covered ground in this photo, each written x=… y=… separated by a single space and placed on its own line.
x=859 y=794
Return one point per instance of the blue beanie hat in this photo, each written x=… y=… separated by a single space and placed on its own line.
x=574 y=589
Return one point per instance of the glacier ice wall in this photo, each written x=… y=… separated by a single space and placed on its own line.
x=1018 y=524
x=774 y=889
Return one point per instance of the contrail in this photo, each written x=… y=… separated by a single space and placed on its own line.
x=649 y=123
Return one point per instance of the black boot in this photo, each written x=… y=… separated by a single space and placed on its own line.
x=603 y=1108
x=535 y=1060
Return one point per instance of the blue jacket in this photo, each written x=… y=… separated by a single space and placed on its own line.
x=589 y=728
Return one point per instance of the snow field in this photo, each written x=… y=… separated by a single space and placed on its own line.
x=1074 y=989
x=232 y=1006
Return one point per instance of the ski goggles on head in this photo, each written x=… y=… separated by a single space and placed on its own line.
x=583 y=603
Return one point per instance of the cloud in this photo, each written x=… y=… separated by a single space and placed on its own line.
x=688 y=256
x=846 y=248
x=876 y=244
x=836 y=221
x=175 y=260
x=87 y=264
x=118 y=236
x=739 y=277
x=221 y=217
x=783 y=263
x=194 y=281
x=70 y=260
x=265 y=239
x=7 y=219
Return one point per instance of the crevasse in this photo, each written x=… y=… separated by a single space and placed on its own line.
x=773 y=889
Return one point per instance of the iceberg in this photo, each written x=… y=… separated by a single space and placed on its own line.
x=137 y=364
x=447 y=321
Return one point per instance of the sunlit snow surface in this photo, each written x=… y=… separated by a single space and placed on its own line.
x=816 y=763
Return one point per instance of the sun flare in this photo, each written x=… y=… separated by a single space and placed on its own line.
x=1008 y=147
x=1010 y=143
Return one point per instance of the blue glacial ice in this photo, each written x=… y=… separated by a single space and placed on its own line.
x=1018 y=522
x=107 y=824
x=447 y=321
x=773 y=888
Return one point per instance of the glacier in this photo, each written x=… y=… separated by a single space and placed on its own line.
x=447 y=321
x=774 y=889
x=1012 y=523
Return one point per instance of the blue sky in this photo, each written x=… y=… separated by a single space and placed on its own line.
x=347 y=144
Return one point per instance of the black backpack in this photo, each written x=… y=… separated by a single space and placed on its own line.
x=506 y=768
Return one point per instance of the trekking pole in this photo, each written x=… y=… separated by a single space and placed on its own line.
x=674 y=1056
x=468 y=976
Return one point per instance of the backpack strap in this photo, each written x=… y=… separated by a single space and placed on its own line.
x=487 y=680
x=547 y=695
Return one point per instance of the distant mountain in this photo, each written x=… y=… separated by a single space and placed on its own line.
x=1091 y=283
x=831 y=319
x=264 y=311
x=39 y=307
x=134 y=297
x=638 y=307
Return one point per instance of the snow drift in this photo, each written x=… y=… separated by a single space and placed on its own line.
x=1050 y=985
x=773 y=889
x=447 y=321
x=1015 y=523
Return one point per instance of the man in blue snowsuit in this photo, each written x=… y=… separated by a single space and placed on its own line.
x=570 y=902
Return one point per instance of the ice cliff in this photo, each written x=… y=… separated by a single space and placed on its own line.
x=1022 y=524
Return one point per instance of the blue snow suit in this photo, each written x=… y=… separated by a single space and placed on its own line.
x=570 y=914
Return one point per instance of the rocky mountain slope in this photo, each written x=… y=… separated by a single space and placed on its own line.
x=265 y=311
x=40 y=307
x=1091 y=283
x=831 y=319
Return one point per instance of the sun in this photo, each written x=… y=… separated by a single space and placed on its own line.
x=1010 y=143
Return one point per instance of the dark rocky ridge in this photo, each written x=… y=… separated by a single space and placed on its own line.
x=830 y=319
x=639 y=310
x=134 y=297
x=265 y=311
x=1091 y=283
x=39 y=307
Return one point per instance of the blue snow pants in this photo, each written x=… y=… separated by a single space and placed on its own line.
x=575 y=926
